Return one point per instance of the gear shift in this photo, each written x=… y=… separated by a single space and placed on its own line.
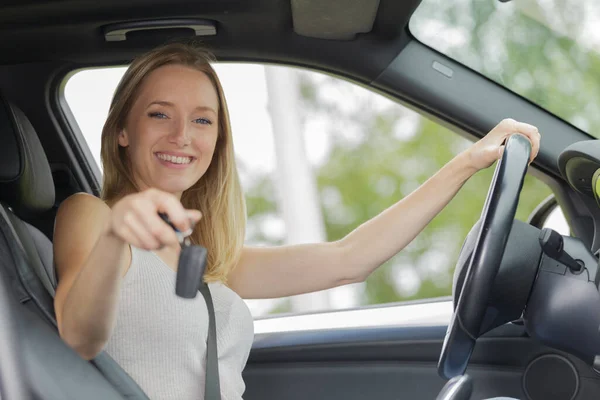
x=457 y=388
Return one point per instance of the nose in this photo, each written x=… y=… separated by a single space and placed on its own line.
x=180 y=134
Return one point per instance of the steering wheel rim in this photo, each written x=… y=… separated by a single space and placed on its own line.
x=496 y=222
x=12 y=376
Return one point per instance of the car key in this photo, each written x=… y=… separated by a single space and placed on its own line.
x=191 y=264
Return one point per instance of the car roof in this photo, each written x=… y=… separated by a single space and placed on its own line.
x=72 y=31
x=42 y=41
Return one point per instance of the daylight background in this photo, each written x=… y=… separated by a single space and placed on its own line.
x=341 y=154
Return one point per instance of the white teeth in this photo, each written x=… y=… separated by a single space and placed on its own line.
x=173 y=159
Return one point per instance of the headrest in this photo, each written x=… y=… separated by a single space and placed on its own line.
x=26 y=183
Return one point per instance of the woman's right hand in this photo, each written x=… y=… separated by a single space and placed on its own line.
x=135 y=220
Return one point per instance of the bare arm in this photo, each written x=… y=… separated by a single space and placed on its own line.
x=91 y=250
x=89 y=263
x=291 y=270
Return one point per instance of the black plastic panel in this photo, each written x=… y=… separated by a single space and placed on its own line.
x=391 y=363
x=362 y=381
x=469 y=100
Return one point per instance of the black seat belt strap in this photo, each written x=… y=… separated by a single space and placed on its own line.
x=212 y=389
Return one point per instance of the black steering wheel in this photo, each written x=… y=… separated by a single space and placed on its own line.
x=496 y=221
x=12 y=376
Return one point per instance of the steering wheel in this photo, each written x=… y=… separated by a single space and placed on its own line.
x=496 y=221
x=12 y=376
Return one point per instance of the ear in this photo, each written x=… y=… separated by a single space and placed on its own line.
x=123 y=138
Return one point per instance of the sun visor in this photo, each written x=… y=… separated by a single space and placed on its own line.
x=333 y=19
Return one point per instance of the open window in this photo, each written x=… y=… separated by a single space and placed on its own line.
x=319 y=155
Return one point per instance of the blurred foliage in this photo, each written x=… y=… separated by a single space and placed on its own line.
x=526 y=46
x=367 y=175
x=379 y=151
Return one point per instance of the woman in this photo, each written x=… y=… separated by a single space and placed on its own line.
x=167 y=147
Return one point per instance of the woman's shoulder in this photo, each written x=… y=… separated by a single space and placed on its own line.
x=81 y=208
x=79 y=202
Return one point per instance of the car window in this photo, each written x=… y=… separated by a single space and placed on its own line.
x=545 y=50
x=556 y=221
x=318 y=156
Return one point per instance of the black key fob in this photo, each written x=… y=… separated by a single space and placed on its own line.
x=191 y=264
x=190 y=271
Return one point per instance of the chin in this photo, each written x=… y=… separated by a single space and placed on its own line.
x=175 y=187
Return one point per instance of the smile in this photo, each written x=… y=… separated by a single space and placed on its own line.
x=175 y=159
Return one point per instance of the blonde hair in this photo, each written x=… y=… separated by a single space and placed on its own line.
x=217 y=194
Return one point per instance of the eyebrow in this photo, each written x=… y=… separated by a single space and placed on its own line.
x=169 y=104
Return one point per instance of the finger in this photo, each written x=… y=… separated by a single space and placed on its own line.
x=194 y=216
x=527 y=129
x=506 y=127
x=536 y=148
x=532 y=133
x=159 y=229
x=135 y=240
x=147 y=214
x=140 y=234
x=170 y=205
x=535 y=144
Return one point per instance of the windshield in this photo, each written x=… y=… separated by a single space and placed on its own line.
x=547 y=51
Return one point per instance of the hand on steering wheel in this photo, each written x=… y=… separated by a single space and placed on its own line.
x=496 y=222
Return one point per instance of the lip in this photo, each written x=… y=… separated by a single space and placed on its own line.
x=174 y=154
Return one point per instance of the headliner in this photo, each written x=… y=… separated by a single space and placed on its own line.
x=71 y=31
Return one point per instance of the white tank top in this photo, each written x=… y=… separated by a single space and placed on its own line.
x=160 y=339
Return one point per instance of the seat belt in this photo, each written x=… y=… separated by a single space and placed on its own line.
x=212 y=388
x=190 y=272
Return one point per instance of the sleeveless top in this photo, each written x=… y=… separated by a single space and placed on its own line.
x=160 y=339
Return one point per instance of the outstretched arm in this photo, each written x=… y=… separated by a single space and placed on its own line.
x=290 y=270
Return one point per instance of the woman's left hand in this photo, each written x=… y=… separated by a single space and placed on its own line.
x=487 y=150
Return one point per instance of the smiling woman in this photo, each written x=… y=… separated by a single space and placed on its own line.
x=166 y=148
x=186 y=124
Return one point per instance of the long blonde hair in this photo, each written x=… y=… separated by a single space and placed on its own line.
x=217 y=194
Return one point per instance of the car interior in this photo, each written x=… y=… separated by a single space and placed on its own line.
x=527 y=307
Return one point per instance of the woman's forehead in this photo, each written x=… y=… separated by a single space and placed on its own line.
x=178 y=84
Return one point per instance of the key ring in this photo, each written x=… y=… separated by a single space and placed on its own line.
x=182 y=237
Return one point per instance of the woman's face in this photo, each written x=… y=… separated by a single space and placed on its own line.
x=171 y=132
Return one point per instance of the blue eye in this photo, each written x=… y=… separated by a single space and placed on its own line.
x=203 y=121
x=157 y=114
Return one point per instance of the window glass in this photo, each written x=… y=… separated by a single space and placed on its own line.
x=545 y=50
x=557 y=222
x=345 y=154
